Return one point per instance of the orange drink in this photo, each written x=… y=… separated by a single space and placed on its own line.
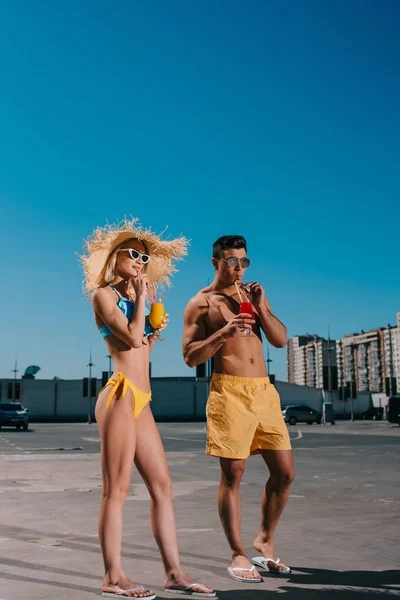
x=157 y=314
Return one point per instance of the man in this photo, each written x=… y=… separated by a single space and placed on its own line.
x=243 y=412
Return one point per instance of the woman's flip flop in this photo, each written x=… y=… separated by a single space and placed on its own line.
x=123 y=594
x=262 y=562
x=231 y=571
x=188 y=591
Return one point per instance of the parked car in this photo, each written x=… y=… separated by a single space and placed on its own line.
x=14 y=415
x=296 y=413
x=394 y=409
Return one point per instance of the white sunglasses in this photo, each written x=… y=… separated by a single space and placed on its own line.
x=134 y=254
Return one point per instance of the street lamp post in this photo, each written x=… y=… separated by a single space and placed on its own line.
x=352 y=385
x=14 y=390
x=90 y=365
x=269 y=360
x=390 y=390
x=329 y=349
x=109 y=365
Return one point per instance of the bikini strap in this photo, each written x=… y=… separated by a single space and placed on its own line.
x=115 y=290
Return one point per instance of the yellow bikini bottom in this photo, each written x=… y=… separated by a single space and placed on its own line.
x=140 y=398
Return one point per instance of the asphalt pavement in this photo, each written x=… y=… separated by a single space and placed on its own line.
x=339 y=533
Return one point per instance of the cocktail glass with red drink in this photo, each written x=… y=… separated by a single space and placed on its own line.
x=246 y=307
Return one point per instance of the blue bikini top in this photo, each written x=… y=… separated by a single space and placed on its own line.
x=128 y=308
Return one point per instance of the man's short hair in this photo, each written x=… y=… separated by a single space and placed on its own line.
x=228 y=242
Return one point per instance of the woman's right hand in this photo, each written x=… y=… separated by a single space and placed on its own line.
x=139 y=285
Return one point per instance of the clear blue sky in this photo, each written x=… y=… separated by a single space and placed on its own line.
x=277 y=120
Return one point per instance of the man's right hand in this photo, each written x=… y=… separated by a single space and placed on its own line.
x=237 y=325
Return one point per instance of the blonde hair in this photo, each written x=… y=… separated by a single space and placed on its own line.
x=107 y=275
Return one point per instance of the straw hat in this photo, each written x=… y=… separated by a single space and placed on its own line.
x=104 y=240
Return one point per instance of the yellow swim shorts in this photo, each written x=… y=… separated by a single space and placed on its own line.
x=244 y=417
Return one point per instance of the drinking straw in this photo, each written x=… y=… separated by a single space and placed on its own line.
x=238 y=291
x=151 y=292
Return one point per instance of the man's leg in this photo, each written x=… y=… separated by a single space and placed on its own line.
x=229 y=511
x=275 y=495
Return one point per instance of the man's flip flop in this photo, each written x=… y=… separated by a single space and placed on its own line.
x=262 y=562
x=122 y=594
x=188 y=591
x=231 y=571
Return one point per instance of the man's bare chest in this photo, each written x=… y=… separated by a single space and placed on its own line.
x=221 y=309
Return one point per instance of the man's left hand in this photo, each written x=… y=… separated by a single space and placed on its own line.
x=259 y=299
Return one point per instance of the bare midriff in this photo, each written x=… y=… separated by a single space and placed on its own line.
x=132 y=362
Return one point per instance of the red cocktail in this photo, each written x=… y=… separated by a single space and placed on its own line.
x=247 y=308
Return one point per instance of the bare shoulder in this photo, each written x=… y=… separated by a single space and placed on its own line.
x=195 y=318
x=199 y=302
x=100 y=296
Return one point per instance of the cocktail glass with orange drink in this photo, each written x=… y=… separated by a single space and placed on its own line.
x=157 y=313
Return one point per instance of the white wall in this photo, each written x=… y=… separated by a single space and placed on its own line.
x=70 y=402
x=178 y=398
x=38 y=396
x=360 y=404
x=379 y=399
x=291 y=393
x=173 y=398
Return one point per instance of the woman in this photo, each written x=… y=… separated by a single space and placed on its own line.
x=119 y=263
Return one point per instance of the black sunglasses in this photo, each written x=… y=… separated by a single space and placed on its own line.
x=233 y=261
x=134 y=254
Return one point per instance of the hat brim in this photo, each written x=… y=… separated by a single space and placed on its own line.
x=102 y=243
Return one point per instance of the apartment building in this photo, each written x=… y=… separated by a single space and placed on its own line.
x=369 y=360
x=312 y=362
x=362 y=360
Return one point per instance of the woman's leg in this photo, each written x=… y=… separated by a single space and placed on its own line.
x=151 y=463
x=118 y=442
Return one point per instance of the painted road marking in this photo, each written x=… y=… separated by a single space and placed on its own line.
x=164 y=437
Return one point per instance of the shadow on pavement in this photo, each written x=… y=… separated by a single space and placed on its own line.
x=363 y=579
x=295 y=593
x=334 y=585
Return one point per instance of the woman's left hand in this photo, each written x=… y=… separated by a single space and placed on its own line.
x=153 y=337
x=164 y=323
